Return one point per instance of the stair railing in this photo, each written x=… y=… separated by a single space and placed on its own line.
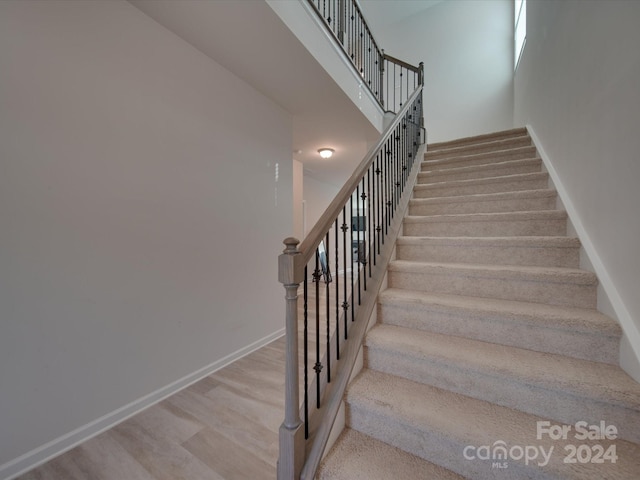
x=391 y=81
x=341 y=265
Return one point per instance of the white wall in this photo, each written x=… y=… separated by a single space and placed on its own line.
x=466 y=47
x=577 y=86
x=317 y=196
x=298 y=200
x=144 y=195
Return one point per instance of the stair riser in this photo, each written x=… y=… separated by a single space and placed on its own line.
x=490 y=206
x=494 y=187
x=479 y=148
x=495 y=228
x=490 y=171
x=523 y=288
x=502 y=329
x=560 y=405
x=477 y=159
x=493 y=255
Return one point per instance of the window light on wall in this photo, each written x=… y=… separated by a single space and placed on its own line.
x=520 y=30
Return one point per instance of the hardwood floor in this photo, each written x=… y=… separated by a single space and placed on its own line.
x=223 y=427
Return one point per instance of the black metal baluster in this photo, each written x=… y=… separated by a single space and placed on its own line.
x=395 y=103
x=328 y=300
x=357 y=229
x=345 y=303
x=305 y=338
x=398 y=160
x=364 y=215
x=390 y=182
x=372 y=254
x=318 y=366
x=353 y=313
x=374 y=221
x=337 y=275
x=380 y=198
x=387 y=186
x=400 y=83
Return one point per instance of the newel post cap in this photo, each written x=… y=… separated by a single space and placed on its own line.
x=290 y=266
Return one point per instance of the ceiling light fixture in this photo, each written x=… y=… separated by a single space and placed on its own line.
x=326 y=152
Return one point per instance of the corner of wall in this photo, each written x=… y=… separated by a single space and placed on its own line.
x=609 y=301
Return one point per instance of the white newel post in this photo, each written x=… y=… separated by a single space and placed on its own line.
x=292 y=448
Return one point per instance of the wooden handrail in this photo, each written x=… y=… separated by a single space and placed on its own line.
x=309 y=245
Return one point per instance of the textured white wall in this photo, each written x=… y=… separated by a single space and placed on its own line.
x=144 y=195
x=577 y=86
x=317 y=195
x=466 y=47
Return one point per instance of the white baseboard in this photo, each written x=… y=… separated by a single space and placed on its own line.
x=613 y=304
x=66 y=442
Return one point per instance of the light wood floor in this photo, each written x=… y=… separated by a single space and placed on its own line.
x=223 y=427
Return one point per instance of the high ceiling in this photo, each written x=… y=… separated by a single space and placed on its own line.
x=249 y=39
x=381 y=13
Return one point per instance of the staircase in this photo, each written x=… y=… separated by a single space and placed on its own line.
x=488 y=328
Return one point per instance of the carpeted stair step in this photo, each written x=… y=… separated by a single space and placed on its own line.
x=533 y=251
x=576 y=332
x=483 y=138
x=561 y=388
x=474 y=148
x=357 y=456
x=442 y=426
x=554 y=286
x=506 y=183
x=541 y=223
x=518 y=153
x=487 y=170
x=526 y=200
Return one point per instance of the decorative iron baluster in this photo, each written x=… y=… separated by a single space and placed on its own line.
x=345 y=303
x=327 y=280
x=337 y=277
x=305 y=340
x=372 y=256
x=318 y=365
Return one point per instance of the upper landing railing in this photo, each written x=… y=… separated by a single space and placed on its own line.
x=332 y=278
x=391 y=81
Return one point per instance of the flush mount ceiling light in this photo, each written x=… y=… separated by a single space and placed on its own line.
x=326 y=152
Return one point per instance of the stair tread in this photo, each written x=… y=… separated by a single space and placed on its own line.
x=507 y=241
x=438 y=162
x=550 y=274
x=457 y=421
x=499 y=144
x=480 y=217
x=556 y=316
x=513 y=132
x=480 y=167
x=356 y=455
x=600 y=381
x=484 y=197
x=479 y=181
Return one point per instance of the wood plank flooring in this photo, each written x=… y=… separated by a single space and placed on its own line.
x=224 y=427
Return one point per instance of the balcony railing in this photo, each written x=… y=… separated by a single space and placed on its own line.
x=391 y=81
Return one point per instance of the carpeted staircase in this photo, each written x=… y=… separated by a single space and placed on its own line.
x=488 y=328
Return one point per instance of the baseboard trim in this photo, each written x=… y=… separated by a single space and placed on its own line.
x=631 y=333
x=62 y=444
